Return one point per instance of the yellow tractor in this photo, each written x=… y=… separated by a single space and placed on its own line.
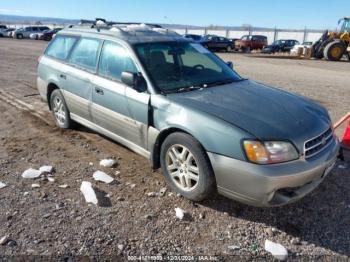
x=334 y=45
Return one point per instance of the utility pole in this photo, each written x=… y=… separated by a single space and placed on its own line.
x=305 y=34
x=275 y=35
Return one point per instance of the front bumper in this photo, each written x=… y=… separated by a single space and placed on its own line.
x=272 y=185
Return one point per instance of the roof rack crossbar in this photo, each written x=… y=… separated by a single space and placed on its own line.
x=111 y=23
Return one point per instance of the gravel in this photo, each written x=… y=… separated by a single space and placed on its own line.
x=56 y=220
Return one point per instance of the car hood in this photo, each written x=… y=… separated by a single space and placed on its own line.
x=264 y=112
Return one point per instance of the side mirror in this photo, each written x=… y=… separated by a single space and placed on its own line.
x=134 y=80
x=230 y=64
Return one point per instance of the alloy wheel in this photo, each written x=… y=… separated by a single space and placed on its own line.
x=59 y=111
x=182 y=167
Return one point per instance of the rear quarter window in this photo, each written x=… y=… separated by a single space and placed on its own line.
x=61 y=47
x=85 y=53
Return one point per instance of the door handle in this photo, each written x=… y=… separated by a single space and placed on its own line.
x=99 y=91
x=63 y=76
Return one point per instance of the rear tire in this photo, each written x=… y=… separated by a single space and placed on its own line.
x=186 y=167
x=228 y=49
x=60 y=110
x=334 y=51
x=19 y=36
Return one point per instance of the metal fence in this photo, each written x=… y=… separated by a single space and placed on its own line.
x=272 y=34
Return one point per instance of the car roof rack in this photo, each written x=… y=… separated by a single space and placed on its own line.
x=127 y=30
x=103 y=23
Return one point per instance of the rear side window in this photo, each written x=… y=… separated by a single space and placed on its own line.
x=114 y=60
x=85 y=53
x=60 y=47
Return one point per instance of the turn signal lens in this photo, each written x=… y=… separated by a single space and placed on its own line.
x=270 y=152
x=255 y=152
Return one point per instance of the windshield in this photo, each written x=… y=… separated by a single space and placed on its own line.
x=279 y=42
x=343 y=26
x=173 y=66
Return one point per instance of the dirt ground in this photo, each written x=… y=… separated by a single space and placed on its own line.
x=51 y=221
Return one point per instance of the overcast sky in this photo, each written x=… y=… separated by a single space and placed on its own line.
x=297 y=14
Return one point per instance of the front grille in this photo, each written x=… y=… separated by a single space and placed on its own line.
x=316 y=145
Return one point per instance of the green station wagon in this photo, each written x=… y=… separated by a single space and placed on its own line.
x=176 y=103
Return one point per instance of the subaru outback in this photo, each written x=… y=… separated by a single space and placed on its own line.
x=190 y=113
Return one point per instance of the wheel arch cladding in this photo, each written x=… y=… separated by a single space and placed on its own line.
x=50 y=88
x=155 y=160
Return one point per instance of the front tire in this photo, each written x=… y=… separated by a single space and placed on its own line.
x=60 y=110
x=186 y=167
x=228 y=49
x=334 y=51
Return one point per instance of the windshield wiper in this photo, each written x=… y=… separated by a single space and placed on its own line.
x=201 y=86
x=182 y=89
x=222 y=82
x=218 y=83
x=187 y=89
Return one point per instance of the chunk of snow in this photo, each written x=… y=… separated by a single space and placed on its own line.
x=152 y=194
x=4 y=240
x=277 y=250
x=2 y=185
x=103 y=177
x=51 y=179
x=88 y=192
x=234 y=247
x=63 y=186
x=108 y=162
x=46 y=169
x=35 y=185
x=180 y=214
x=31 y=173
x=121 y=247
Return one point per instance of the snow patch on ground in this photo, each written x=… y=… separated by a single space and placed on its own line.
x=277 y=250
x=107 y=162
x=180 y=214
x=88 y=192
x=31 y=173
x=103 y=177
x=46 y=169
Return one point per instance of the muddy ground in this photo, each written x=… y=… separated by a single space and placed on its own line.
x=53 y=221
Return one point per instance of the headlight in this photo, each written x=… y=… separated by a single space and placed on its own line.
x=269 y=152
